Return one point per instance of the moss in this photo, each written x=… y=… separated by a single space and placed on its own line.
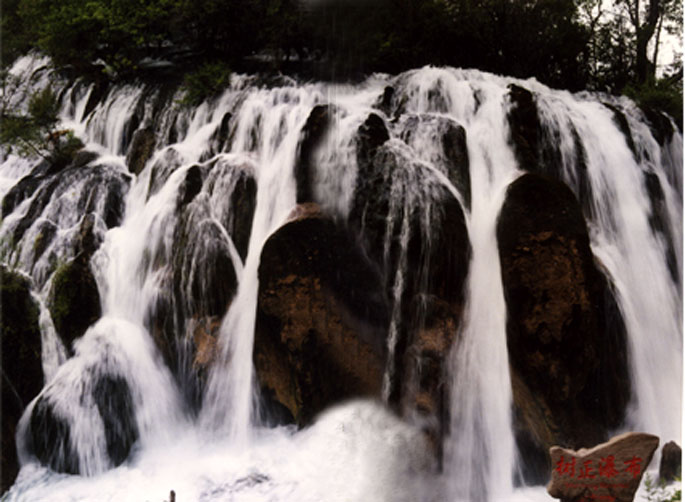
x=74 y=300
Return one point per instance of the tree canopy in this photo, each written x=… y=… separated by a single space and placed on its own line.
x=575 y=44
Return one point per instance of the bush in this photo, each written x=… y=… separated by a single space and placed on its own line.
x=665 y=95
x=35 y=132
x=205 y=82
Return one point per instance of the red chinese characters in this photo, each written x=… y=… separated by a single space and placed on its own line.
x=634 y=467
x=606 y=467
x=566 y=467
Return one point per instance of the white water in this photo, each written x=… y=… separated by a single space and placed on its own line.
x=358 y=451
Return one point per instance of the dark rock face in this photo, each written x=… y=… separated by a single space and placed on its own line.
x=22 y=370
x=311 y=136
x=74 y=300
x=658 y=221
x=565 y=334
x=452 y=157
x=321 y=318
x=536 y=145
x=50 y=431
x=101 y=190
x=424 y=234
x=200 y=278
x=670 y=467
x=141 y=149
x=421 y=235
x=51 y=439
x=113 y=400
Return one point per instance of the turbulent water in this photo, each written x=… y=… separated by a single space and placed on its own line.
x=216 y=450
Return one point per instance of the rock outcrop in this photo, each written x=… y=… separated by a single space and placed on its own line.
x=610 y=471
x=321 y=318
x=670 y=466
x=22 y=370
x=565 y=334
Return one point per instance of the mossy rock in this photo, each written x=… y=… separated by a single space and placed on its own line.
x=22 y=371
x=74 y=301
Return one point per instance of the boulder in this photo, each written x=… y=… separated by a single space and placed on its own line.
x=610 y=471
x=321 y=318
x=74 y=300
x=22 y=369
x=670 y=466
x=565 y=334
x=410 y=224
x=140 y=150
x=50 y=428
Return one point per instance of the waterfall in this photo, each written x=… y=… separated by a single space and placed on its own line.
x=175 y=251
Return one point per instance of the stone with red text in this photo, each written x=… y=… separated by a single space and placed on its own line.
x=608 y=472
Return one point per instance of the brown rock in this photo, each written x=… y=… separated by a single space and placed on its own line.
x=608 y=472
x=565 y=334
x=321 y=318
x=205 y=335
x=671 y=462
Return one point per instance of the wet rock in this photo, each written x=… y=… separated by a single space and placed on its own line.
x=426 y=392
x=23 y=189
x=44 y=236
x=451 y=155
x=525 y=126
x=321 y=317
x=141 y=149
x=164 y=165
x=51 y=431
x=622 y=123
x=97 y=95
x=537 y=145
x=456 y=153
x=205 y=335
x=311 y=136
x=22 y=370
x=609 y=471
x=565 y=334
x=51 y=438
x=114 y=402
x=409 y=222
x=385 y=103
x=370 y=136
x=74 y=300
x=241 y=212
x=659 y=123
x=191 y=186
x=83 y=158
x=100 y=189
x=658 y=221
x=670 y=467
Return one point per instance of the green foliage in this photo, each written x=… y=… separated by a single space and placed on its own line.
x=665 y=95
x=35 y=132
x=205 y=82
x=657 y=491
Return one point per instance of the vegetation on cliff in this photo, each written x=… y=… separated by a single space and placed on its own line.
x=575 y=44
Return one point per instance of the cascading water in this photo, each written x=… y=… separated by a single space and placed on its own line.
x=184 y=253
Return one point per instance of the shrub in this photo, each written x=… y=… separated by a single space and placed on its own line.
x=205 y=82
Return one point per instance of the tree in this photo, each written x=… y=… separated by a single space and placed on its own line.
x=35 y=132
x=644 y=16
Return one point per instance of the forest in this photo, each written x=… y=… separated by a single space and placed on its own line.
x=610 y=46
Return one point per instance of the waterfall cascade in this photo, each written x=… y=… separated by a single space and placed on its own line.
x=405 y=177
